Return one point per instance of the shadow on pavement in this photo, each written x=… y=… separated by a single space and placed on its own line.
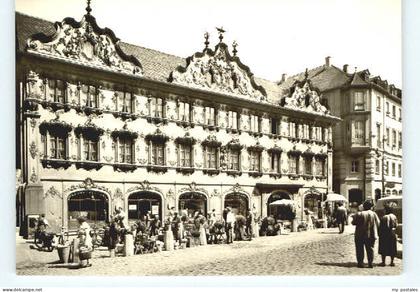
x=343 y=265
x=68 y=266
x=330 y=232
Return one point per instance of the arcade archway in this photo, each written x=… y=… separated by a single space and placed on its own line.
x=238 y=202
x=91 y=204
x=143 y=203
x=193 y=202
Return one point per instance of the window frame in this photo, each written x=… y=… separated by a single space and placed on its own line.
x=54 y=142
x=254 y=161
x=87 y=151
x=183 y=150
x=276 y=162
x=56 y=88
x=359 y=103
x=355 y=165
x=91 y=97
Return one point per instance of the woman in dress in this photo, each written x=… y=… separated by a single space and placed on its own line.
x=85 y=243
x=387 y=236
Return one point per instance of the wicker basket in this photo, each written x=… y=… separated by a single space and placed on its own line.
x=85 y=253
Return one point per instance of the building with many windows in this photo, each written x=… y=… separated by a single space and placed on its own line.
x=368 y=141
x=103 y=124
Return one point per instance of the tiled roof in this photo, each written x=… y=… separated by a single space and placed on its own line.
x=156 y=65
x=330 y=77
x=321 y=77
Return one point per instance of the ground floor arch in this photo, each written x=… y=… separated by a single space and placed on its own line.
x=192 y=202
x=91 y=204
x=238 y=202
x=144 y=203
x=284 y=212
x=312 y=204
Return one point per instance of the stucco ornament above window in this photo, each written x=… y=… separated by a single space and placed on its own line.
x=85 y=43
x=302 y=96
x=218 y=71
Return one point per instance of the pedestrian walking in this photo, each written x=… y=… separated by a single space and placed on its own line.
x=387 y=236
x=366 y=233
x=230 y=221
x=341 y=216
x=249 y=224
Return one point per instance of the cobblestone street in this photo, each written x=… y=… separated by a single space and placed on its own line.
x=317 y=252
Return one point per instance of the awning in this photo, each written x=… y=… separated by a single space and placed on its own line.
x=283 y=202
x=332 y=197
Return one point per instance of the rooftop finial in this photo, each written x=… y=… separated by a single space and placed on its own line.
x=221 y=31
x=206 y=37
x=306 y=74
x=88 y=9
x=234 y=45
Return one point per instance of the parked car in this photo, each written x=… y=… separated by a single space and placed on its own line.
x=380 y=210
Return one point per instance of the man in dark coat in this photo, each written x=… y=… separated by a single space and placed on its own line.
x=249 y=223
x=366 y=233
x=341 y=217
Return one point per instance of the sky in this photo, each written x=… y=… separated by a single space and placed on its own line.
x=273 y=36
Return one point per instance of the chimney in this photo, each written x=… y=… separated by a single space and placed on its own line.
x=283 y=77
x=346 y=68
x=327 y=61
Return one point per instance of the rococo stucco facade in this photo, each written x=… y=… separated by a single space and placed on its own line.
x=103 y=124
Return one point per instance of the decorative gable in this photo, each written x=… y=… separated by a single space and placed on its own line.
x=218 y=71
x=302 y=96
x=84 y=43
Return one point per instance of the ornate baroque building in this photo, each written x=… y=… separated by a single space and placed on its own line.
x=368 y=141
x=104 y=124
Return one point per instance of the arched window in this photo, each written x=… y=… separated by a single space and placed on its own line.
x=142 y=203
x=92 y=205
x=237 y=202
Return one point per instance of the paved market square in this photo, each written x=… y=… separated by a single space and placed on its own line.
x=314 y=252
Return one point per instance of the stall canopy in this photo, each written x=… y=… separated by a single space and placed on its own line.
x=283 y=202
x=332 y=197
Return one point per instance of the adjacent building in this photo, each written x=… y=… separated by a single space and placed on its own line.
x=368 y=141
x=103 y=124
